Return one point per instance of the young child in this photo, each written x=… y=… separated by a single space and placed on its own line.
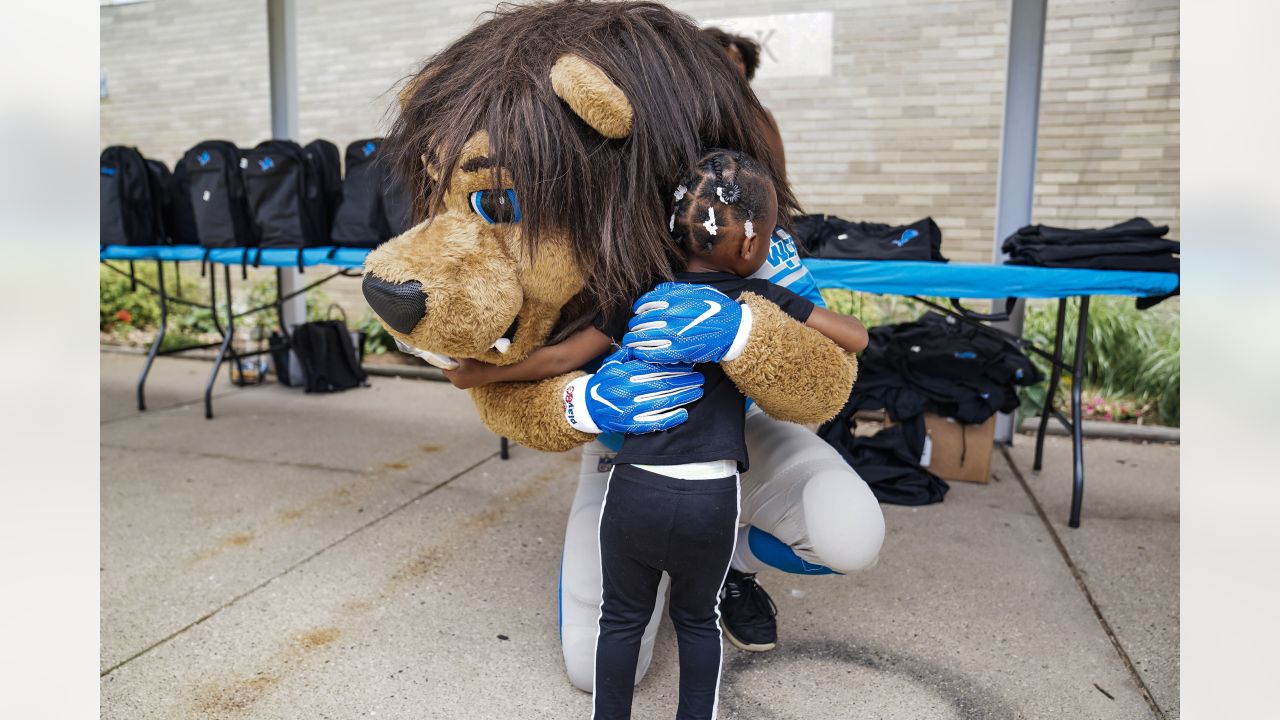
x=672 y=499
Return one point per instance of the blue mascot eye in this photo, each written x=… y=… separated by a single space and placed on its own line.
x=496 y=206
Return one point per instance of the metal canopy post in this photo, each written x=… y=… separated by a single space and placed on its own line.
x=283 y=57
x=1015 y=182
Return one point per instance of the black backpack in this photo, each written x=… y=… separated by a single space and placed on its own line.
x=395 y=203
x=323 y=156
x=220 y=208
x=132 y=198
x=328 y=357
x=374 y=208
x=829 y=236
x=179 y=216
x=286 y=196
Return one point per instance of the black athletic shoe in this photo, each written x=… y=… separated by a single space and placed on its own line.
x=747 y=613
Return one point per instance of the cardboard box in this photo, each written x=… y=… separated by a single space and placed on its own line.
x=959 y=452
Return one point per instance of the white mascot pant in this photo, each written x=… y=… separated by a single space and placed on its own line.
x=798 y=490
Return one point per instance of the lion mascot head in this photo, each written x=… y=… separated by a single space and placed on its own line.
x=540 y=151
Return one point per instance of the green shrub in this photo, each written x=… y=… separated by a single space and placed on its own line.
x=120 y=308
x=1132 y=361
x=376 y=338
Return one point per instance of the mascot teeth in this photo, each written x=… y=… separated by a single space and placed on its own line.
x=444 y=362
x=502 y=345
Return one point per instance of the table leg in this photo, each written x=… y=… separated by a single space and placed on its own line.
x=155 y=345
x=1052 y=392
x=1077 y=429
x=223 y=348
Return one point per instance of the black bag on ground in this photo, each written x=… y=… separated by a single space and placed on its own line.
x=278 y=345
x=374 y=207
x=132 y=196
x=286 y=197
x=889 y=461
x=828 y=236
x=935 y=364
x=329 y=359
x=220 y=208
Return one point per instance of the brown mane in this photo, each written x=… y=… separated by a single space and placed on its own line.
x=611 y=196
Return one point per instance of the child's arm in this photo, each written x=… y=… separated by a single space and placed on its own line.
x=844 y=330
x=545 y=362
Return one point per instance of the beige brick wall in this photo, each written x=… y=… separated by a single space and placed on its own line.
x=1109 y=113
x=182 y=71
x=908 y=124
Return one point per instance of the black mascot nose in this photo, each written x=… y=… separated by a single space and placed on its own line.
x=401 y=305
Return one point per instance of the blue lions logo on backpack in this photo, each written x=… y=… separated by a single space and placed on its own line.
x=368 y=148
x=907 y=236
x=203 y=158
x=266 y=163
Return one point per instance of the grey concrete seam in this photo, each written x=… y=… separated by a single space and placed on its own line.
x=236 y=458
x=296 y=565
x=162 y=408
x=1084 y=589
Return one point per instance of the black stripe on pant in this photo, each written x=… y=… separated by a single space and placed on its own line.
x=650 y=524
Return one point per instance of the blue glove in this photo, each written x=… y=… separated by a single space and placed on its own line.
x=631 y=396
x=677 y=322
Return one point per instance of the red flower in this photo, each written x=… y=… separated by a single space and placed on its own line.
x=124 y=316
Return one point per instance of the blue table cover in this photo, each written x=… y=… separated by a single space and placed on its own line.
x=884 y=277
x=976 y=280
x=271 y=257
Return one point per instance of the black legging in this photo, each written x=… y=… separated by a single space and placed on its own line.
x=649 y=524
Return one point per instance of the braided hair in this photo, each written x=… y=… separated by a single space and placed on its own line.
x=724 y=187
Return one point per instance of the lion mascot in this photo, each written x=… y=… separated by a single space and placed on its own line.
x=539 y=150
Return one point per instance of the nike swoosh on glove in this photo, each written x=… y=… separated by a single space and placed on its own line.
x=677 y=322
x=631 y=396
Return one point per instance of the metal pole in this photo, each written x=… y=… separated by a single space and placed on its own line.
x=1015 y=182
x=283 y=56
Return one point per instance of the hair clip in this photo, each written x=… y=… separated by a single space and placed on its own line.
x=710 y=224
x=735 y=192
x=749 y=229
x=680 y=191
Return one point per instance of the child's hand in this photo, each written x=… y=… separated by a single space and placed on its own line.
x=469 y=373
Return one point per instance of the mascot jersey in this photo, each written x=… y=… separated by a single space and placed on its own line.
x=783 y=268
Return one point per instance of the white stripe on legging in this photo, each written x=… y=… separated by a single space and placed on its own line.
x=737 y=514
x=595 y=685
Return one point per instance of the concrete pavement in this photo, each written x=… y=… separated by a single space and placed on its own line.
x=368 y=555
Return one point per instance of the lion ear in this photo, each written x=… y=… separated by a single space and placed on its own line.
x=415 y=84
x=592 y=96
x=411 y=87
